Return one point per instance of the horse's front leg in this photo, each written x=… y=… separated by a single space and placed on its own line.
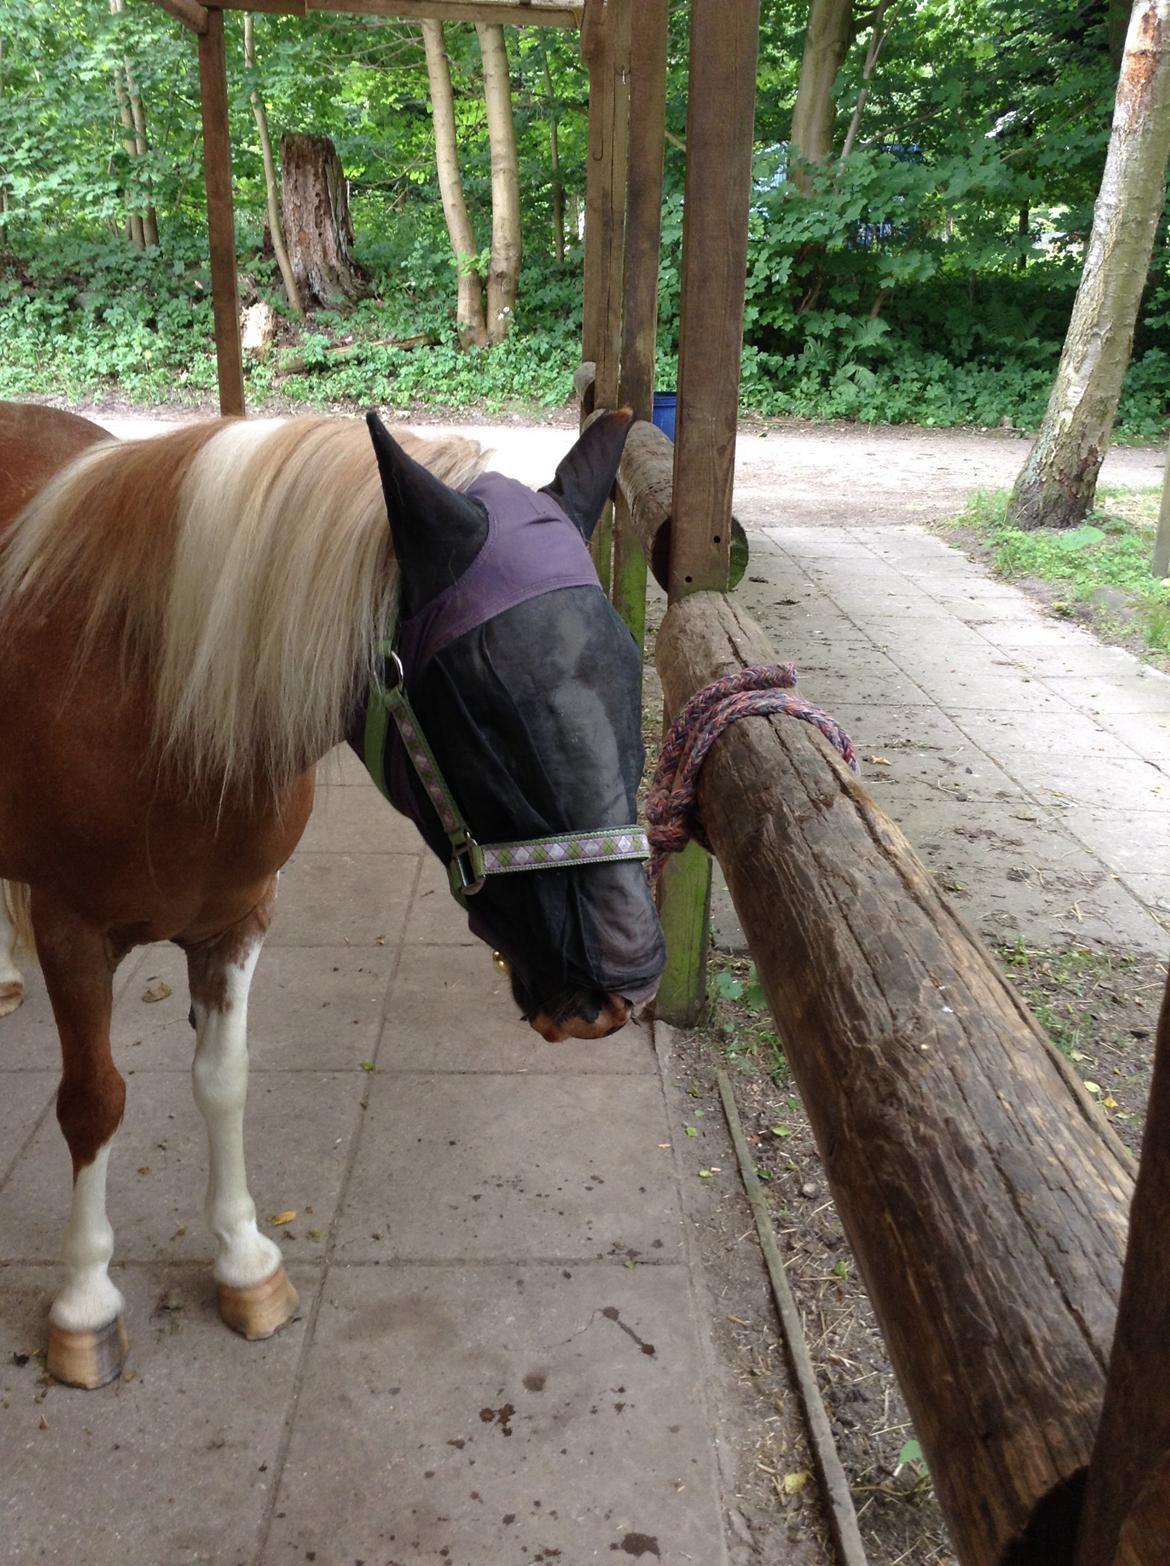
x=87 y=1341
x=255 y=1295
x=13 y=897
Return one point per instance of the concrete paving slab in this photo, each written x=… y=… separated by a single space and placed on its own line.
x=359 y=821
x=435 y=918
x=299 y=1128
x=1153 y=890
x=1133 y=693
x=1120 y=782
x=28 y=1037
x=428 y=1027
x=175 y=1462
x=1004 y=732
x=25 y=1100
x=487 y=1167
x=957 y=689
x=343 y=767
x=334 y=899
x=859 y=685
x=1130 y=840
x=322 y=1013
x=456 y=1416
x=1146 y=733
x=1041 y=631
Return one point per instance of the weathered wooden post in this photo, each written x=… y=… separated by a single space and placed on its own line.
x=720 y=119
x=647 y=140
x=221 y=224
x=605 y=42
x=1126 y=1519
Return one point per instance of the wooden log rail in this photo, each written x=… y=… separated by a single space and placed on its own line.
x=983 y=1194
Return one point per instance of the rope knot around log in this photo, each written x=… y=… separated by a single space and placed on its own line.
x=761 y=691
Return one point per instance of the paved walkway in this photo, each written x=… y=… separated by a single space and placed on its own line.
x=479 y=1374
x=1028 y=763
x=504 y=1350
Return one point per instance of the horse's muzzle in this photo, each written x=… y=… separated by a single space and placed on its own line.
x=613 y=1014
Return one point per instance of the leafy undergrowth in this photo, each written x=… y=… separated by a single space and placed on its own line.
x=1100 y=1008
x=1098 y=574
x=88 y=320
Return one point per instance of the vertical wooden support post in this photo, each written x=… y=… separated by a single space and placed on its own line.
x=605 y=220
x=217 y=169
x=1126 y=1515
x=720 y=121
x=647 y=138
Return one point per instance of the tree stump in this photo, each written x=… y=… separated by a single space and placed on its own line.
x=316 y=221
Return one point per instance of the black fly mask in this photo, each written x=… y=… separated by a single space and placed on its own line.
x=526 y=686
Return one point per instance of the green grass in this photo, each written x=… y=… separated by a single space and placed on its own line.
x=1113 y=548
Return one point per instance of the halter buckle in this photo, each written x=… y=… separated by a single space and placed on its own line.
x=466 y=870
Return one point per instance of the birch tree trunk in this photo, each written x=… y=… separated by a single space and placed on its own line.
x=556 y=183
x=504 y=270
x=827 y=37
x=143 y=224
x=275 y=226
x=1059 y=479
x=469 y=308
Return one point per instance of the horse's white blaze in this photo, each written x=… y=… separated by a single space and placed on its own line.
x=220 y=1077
x=11 y=983
x=89 y=1300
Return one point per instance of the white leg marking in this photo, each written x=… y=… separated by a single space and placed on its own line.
x=220 y=1076
x=11 y=983
x=89 y=1300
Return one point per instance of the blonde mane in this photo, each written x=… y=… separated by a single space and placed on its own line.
x=243 y=567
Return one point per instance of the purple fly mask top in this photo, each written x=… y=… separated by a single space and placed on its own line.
x=526 y=686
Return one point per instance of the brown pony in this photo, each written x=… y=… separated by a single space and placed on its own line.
x=187 y=625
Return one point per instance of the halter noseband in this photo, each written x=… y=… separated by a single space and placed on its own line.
x=472 y=862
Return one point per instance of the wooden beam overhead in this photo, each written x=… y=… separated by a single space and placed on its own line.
x=189 y=12
x=517 y=13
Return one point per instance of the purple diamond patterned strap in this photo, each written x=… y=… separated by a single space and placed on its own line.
x=573 y=848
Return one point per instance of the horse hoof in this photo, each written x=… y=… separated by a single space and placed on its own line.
x=87 y=1359
x=11 y=996
x=259 y=1309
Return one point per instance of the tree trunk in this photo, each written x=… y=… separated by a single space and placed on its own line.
x=1161 y=561
x=1059 y=479
x=275 y=228
x=138 y=112
x=556 y=183
x=827 y=37
x=3 y=184
x=504 y=270
x=879 y=27
x=1126 y=1516
x=469 y=308
x=126 y=115
x=317 y=223
x=144 y=224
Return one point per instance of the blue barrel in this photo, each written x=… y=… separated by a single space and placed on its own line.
x=665 y=407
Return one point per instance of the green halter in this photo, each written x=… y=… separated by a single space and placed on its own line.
x=472 y=862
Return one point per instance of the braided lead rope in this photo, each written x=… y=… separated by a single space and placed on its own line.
x=757 y=692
